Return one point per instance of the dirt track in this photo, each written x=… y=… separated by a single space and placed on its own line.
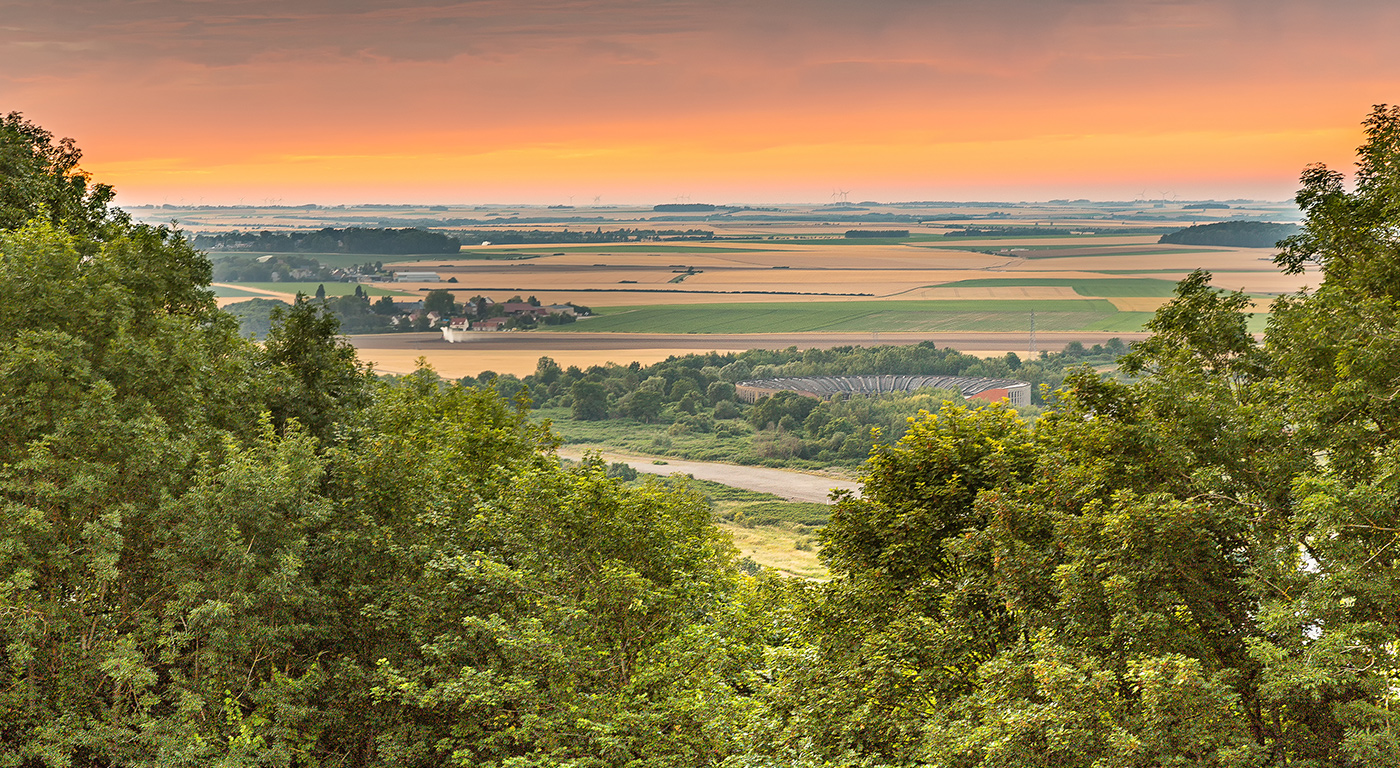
x=787 y=483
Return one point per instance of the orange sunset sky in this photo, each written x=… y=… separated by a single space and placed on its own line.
x=644 y=101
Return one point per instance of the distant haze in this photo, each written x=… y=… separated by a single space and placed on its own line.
x=551 y=102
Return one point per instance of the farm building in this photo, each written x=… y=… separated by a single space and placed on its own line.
x=825 y=387
x=417 y=277
x=521 y=308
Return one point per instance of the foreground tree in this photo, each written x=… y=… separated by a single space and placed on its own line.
x=213 y=552
x=40 y=178
x=1193 y=568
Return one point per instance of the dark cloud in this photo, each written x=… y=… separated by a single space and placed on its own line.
x=993 y=36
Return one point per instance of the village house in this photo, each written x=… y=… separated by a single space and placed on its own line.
x=521 y=308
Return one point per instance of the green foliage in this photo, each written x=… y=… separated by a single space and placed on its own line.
x=316 y=378
x=622 y=471
x=41 y=179
x=261 y=269
x=590 y=401
x=771 y=410
x=254 y=316
x=441 y=302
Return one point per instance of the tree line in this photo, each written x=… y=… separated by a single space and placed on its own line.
x=1235 y=234
x=566 y=235
x=215 y=551
x=331 y=240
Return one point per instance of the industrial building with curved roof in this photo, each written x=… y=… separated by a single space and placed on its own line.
x=825 y=387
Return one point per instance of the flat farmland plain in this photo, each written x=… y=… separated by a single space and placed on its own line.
x=966 y=273
x=820 y=271
x=820 y=292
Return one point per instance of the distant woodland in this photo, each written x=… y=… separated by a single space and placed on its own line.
x=1235 y=234
x=860 y=233
x=220 y=552
x=331 y=240
x=598 y=235
x=685 y=208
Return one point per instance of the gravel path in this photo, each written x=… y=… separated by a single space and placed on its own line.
x=787 y=483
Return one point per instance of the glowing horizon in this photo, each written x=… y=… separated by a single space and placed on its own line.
x=313 y=101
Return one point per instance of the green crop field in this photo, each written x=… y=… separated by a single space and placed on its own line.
x=332 y=289
x=1105 y=287
x=861 y=316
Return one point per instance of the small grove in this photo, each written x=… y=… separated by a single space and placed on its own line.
x=218 y=552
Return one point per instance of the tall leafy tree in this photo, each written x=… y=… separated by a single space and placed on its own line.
x=40 y=177
x=1331 y=651
x=1194 y=567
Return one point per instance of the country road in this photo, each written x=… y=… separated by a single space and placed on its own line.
x=787 y=483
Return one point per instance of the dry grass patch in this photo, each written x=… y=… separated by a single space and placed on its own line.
x=777 y=548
